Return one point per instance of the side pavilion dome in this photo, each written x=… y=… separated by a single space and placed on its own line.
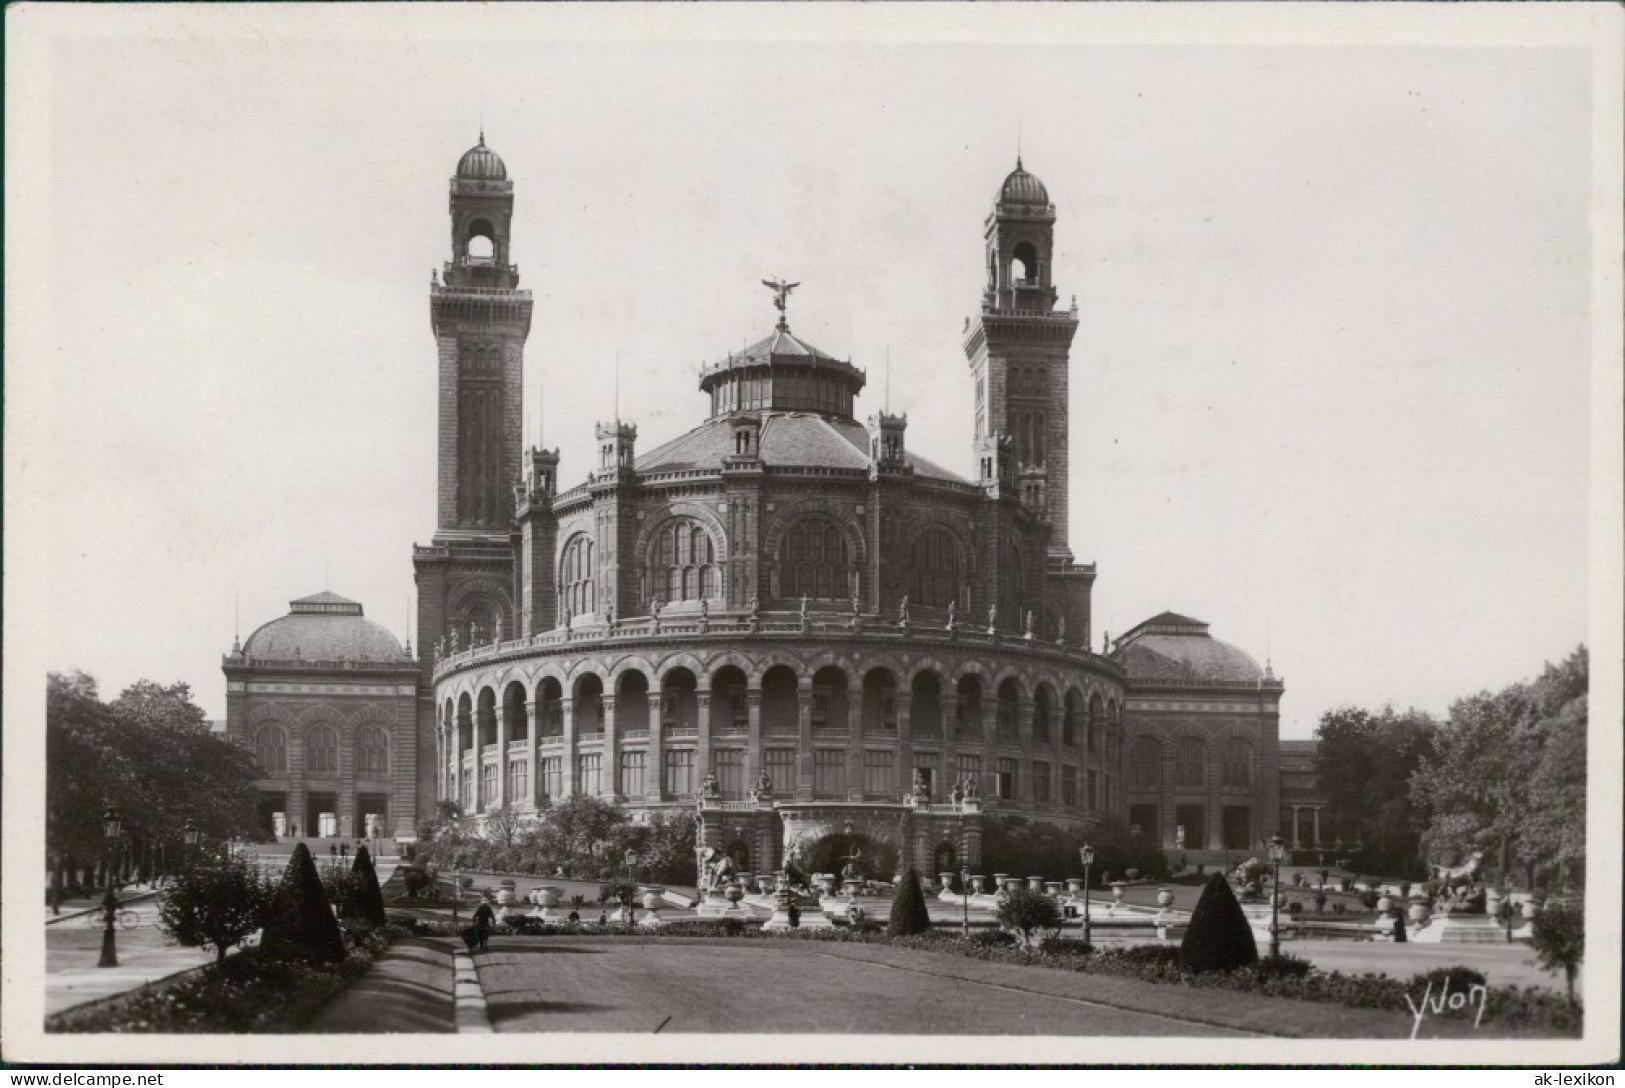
x=325 y=627
x=1175 y=647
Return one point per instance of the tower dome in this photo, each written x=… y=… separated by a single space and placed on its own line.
x=1021 y=188
x=480 y=163
x=325 y=627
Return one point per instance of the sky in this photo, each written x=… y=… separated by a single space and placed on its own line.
x=1332 y=391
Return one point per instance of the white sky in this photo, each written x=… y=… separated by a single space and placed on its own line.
x=1331 y=392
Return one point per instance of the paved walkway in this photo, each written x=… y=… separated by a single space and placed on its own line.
x=73 y=942
x=408 y=989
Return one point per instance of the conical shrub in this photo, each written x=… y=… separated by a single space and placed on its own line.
x=908 y=913
x=1399 y=928
x=1219 y=938
x=367 y=904
x=301 y=924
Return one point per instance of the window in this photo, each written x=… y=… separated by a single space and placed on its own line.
x=820 y=706
x=465 y=793
x=371 y=752
x=1192 y=762
x=553 y=777
x=738 y=705
x=879 y=773
x=322 y=751
x=518 y=781
x=925 y=764
x=1005 y=780
x=1069 y=787
x=1238 y=762
x=271 y=749
x=729 y=765
x=680 y=773
x=780 y=765
x=813 y=561
x=683 y=562
x=968 y=768
x=1094 y=790
x=1041 y=783
x=934 y=570
x=632 y=783
x=829 y=772
x=588 y=774
x=488 y=784
x=1145 y=763
x=576 y=576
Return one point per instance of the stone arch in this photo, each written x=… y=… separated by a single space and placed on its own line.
x=630 y=663
x=549 y=699
x=914 y=534
x=271 y=746
x=462 y=598
x=1044 y=706
x=743 y=662
x=679 y=660
x=830 y=684
x=781 y=701
x=649 y=538
x=1074 y=715
x=925 y=703
x=852 y=534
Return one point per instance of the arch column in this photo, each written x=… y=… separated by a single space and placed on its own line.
x=702 y=747
x=567 y=770
x=296 y=780
x=654 y=769
x=533 y=775
x=610 y=775
x=346 y=783
x=905 y=743
x=753 y=718
x=804 y=742
x=1316 y=812
x=439 y=758
x=854 y=742
x=502 y=752
x=1025 y=709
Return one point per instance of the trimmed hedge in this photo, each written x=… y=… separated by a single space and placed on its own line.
x=908 y=911
x=1219 y=937
x=300 y=924
x=367 y=904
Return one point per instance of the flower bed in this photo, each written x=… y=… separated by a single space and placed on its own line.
x=247 y=992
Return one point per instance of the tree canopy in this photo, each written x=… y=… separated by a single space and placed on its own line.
x=151 y=754
x=1364 y=762
x=1507 y=775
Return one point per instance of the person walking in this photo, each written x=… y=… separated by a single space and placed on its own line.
x=485 y=920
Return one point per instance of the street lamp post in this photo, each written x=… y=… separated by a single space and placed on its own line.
x=111 y=826
x=1277 y=852
x=1087 y=855
x=964 y=902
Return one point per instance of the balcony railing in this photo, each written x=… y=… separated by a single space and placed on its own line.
x=820 y=625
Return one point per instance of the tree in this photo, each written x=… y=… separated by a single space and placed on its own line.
x=149 y=753
x=215 y=906
x=908 y=911
x=1507 y=778
x=504 y=825
x=300 y=922
x=576 y=830
x=367 y=904
x=1558 y=935
x=1028 y=913
x=1364 y=763
x=1219 y=937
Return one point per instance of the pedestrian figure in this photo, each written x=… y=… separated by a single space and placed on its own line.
x=344 y=849
x=332 y=850
x=795 y=916
x=485 y=920
x=603 y=917
x=575 y=918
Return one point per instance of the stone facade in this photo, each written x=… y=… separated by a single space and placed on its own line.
x=787 y=597
x=327 y=700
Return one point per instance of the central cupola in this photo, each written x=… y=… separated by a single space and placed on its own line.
x=781 y=373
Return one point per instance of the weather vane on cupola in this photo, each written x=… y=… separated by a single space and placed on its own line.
x=781 y=292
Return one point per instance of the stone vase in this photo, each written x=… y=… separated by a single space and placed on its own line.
x=1052 y=888
x=1165 y=898
x=1117 y=892
x=978 y=885
x=1419 y=911
x=1074 y=885
x=1035 y=883
x=947 y=880
x=733 y=893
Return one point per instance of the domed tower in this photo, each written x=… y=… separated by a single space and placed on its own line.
x=1018 y=353
x=481 y=320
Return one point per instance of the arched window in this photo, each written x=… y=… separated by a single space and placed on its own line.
x=271 y=749
x=1145 y=762
x=1024 y=263
x=576 y=575
x=322 y=751
x=683 y=562
x=371 y=752
x=1238 y=762
x=814 y=561
x=934 y=573
x=1192 y=762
